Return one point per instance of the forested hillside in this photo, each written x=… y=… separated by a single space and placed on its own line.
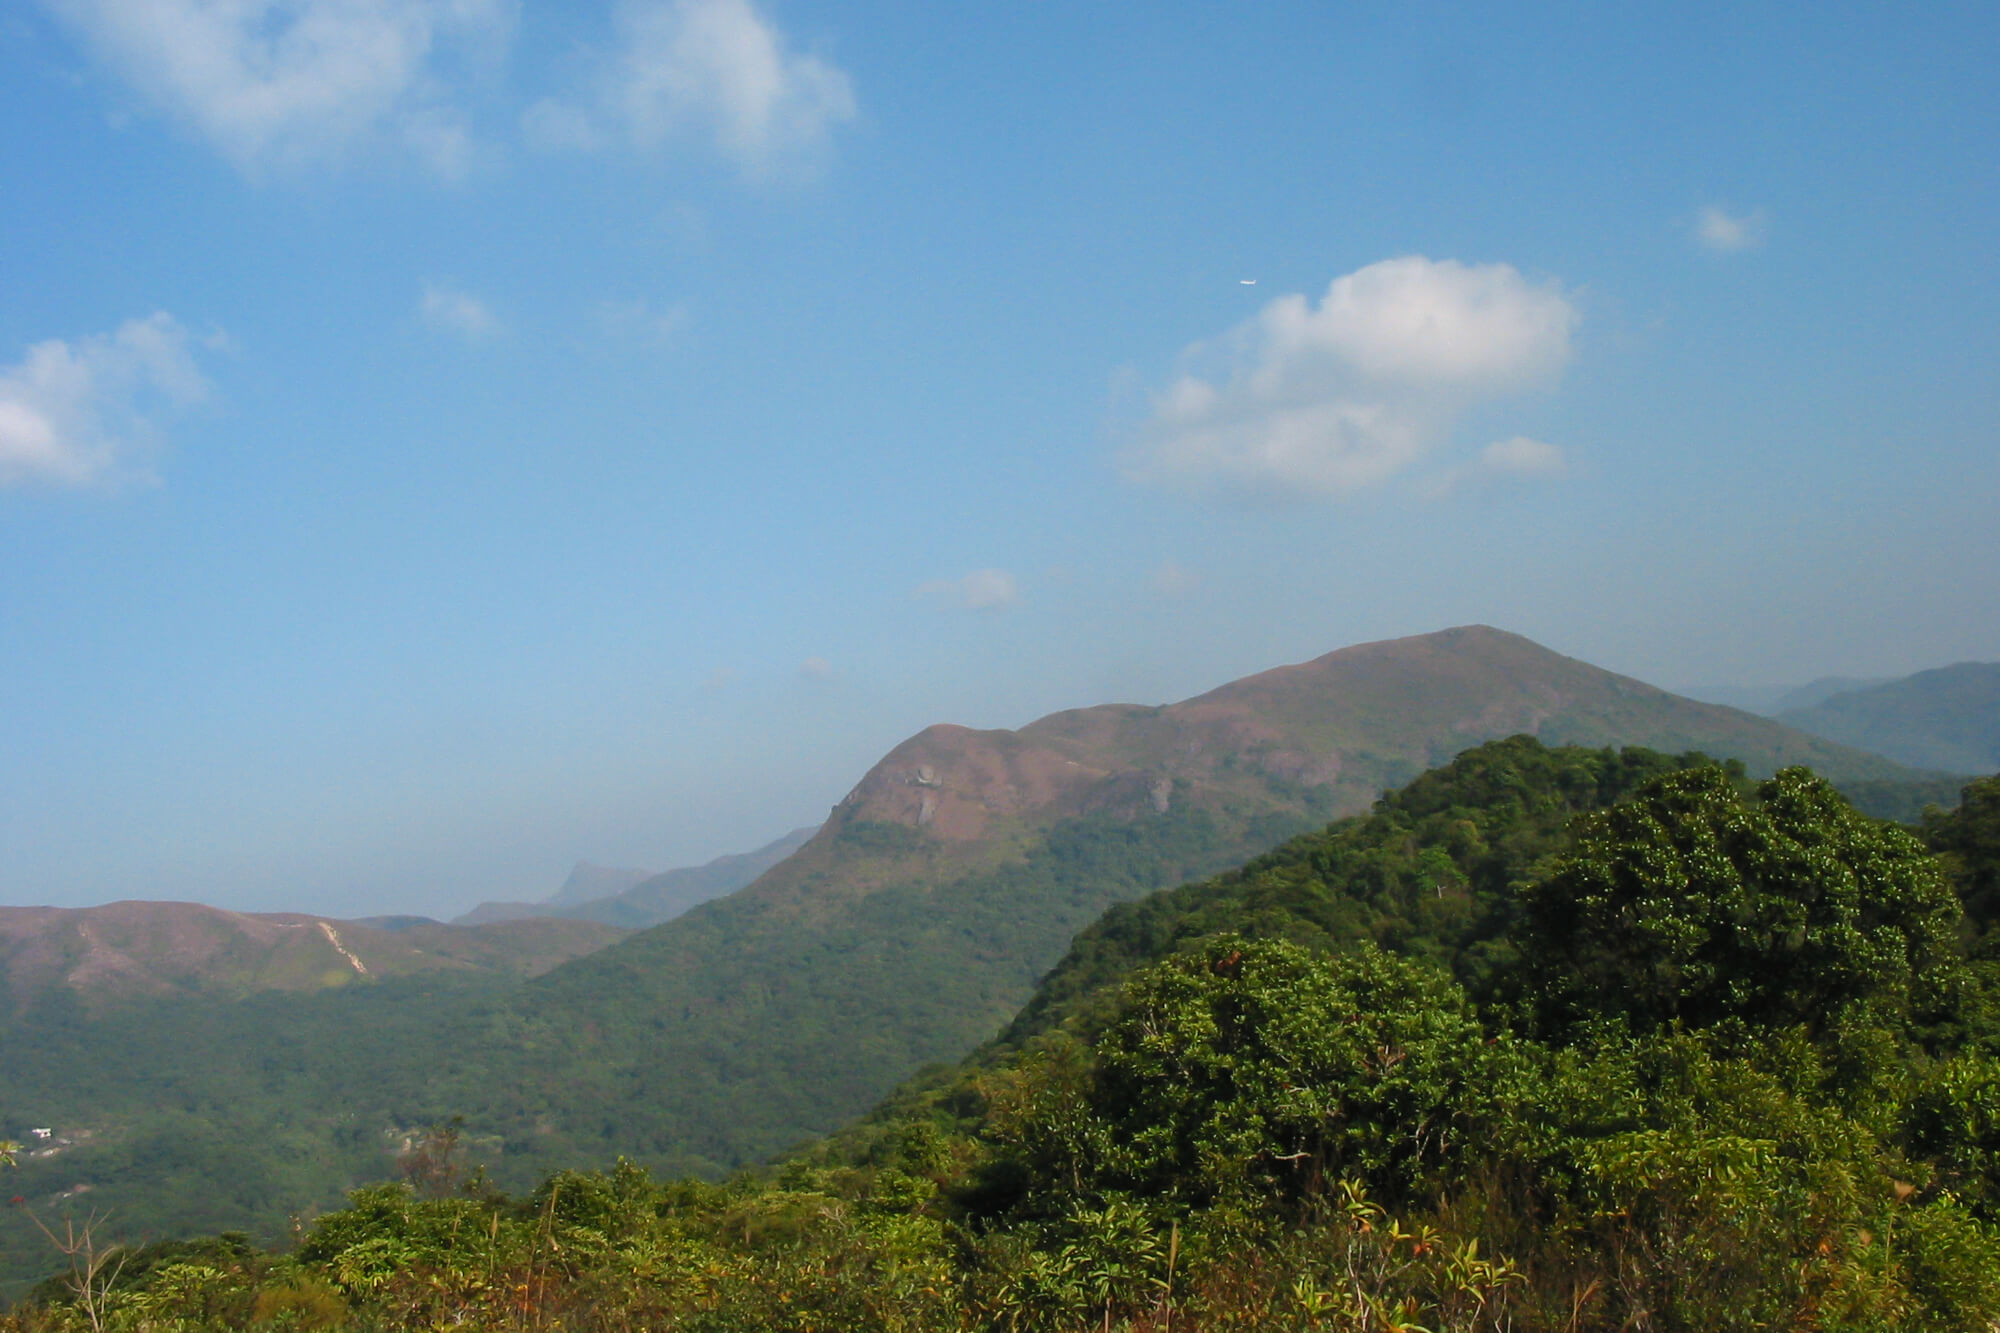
x=1551 y=1039
x=906 y=932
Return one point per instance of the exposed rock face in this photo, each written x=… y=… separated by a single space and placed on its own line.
x=952 y=781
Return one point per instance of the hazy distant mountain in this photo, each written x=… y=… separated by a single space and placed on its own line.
x=588 y=882
x=1770 y=700
x=664 y=897
x=1947 y=719
x=133 y=949
x=645 y=899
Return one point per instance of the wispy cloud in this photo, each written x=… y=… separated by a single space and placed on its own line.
x=981 y=590
x=717 y=70
x=1324 y=400
x=286 y=84
x=87 y=412
x=1727 y=233
x=449 y=310
x=1518 y=458
x=639 y=320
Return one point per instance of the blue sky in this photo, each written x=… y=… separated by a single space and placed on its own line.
x=441 y=440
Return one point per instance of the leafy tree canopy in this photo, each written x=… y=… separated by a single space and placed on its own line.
x=1693 y=904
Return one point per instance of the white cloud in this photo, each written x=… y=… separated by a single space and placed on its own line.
x=289 y=83
x=816 y=668
x=1723 y=233
x=718 y=69
x=83 y=412
x=981 y=590
x=452 y=311
x=1327 y=399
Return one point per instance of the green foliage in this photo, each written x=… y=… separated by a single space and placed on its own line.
x=1495 y=1056
x=1430 y=874
x=1954 y=1268
x=1690 y=904
x=211 y=1116
x=1955 y=1123
x=1902 y=801
x=1967 y=838
x=1257 y=1069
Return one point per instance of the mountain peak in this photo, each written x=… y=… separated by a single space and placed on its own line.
x=1333 y=730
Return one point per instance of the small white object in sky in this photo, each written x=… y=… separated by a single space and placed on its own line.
x=1246 y=282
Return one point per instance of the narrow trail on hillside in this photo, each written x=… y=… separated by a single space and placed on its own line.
x=333 y=938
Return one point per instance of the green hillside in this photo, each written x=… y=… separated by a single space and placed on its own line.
x=908 y=930
x=1551 y=1039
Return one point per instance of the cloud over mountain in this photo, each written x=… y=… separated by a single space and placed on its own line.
x=1328 y=399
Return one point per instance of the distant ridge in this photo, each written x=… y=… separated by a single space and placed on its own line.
x=129 y=950
x=588 y=882
x=648 y=899
x=1946 y=719
x=1771 y=700
x=1346 y=724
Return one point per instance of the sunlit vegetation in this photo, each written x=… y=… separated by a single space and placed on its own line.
x=1551 y=1040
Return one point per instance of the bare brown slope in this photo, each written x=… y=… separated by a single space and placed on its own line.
x=130 y=949
x=1421 y=700
x=1330 y=733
